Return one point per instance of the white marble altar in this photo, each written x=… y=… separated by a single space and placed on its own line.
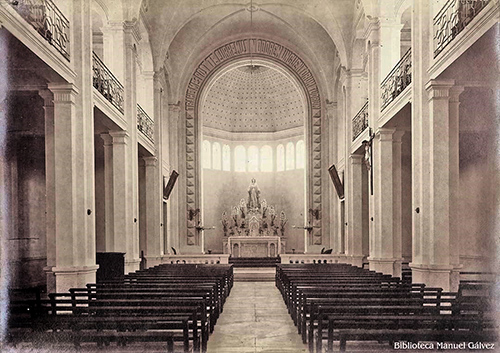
x=247 y=246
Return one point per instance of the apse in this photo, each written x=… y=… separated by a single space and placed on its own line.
x=253 y=118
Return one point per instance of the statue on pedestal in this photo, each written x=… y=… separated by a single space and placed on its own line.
x=253 y=217
x=253 y=195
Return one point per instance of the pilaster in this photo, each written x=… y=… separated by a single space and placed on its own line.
x=50 y=179
x=67 y=219
x=385 y=237
x=153 y=234
x=116 y=165
x=442 y=169
x=354 y=242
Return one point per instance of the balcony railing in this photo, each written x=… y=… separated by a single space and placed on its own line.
x=360 y=122
x=396 y=81
x=145 y=124
x=47 y=20
x=452 y=19
x=106 y=83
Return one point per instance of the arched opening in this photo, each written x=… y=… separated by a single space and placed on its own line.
x=258 y=111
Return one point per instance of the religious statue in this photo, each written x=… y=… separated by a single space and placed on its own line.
x=253 y=217
x=253 y=196
x=283 y=221
x=367 y=156
x=225 y=223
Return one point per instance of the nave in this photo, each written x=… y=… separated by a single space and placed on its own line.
x=315 y=308
x=255 y=319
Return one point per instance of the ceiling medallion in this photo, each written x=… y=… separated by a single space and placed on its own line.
x=252 y=7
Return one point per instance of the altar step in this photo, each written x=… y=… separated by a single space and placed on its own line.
x=254 y=274
x=254 y=261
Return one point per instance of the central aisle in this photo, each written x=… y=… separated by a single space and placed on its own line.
x=255 y=319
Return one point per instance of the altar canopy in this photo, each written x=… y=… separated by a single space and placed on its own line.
x=254 y=227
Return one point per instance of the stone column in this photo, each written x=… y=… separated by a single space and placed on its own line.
x=132 y=260
x=50 y=181
x=116 y=165
x=454 y=150
x=172 y=128
x=153 y=234
x=437 y=268
x=354 y=246
x=68 y=243
x=385 y=238
x=334 y=241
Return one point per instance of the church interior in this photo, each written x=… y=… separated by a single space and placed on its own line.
x=262 y=176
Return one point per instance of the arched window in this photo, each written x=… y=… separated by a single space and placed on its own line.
x=240 y=159
x=207 y=155
x=300 y=160
x=266 y=159
x=253 y=159
x=280 y=158
x=226 y=158
x=290 y=156
x=216 y=156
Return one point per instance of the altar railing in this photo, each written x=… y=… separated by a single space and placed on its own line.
x=106 y=83
x=47 y=20
x=396 y=81
x=360 y=122
x=195 y=259
x=452 y=19
x=312 y=258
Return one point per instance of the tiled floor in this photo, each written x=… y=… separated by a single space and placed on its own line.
x=255 y=319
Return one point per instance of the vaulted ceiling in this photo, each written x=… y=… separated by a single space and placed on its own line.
x=183 y=32
x=253 y=99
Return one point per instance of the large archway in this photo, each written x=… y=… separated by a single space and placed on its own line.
x=210 y=66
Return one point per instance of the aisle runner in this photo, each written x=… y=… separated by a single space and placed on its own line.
x=255 y=320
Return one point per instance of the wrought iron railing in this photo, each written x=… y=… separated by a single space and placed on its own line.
x=396 y=81
x=360 y=121
x=47 y=20
x=145 y=124
x=452 y=19
x=106 y=83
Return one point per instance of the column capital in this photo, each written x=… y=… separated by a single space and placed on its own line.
x=356 y=158
x=455 y=93
x=398 y=135
x=63 y=92
x=108 y=140
x=174 y=107
x=150 y=161
x=113 y=25
x=47 y=96
x=119 y=137
x=384 y=134
x=330 y=106
x=439 y=89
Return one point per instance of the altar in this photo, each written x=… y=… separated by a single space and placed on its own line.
x=245 y=246
x=255 y=228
